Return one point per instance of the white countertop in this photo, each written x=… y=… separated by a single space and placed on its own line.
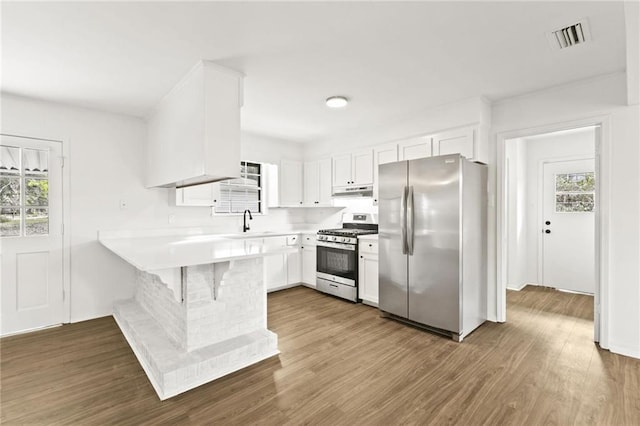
x=148 y=253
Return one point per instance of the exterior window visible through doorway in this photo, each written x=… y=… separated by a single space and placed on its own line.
x=575 y=192
x=24 y=191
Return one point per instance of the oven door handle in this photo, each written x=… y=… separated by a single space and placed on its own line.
x=340 y=246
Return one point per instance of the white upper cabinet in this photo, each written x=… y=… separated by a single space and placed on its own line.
x=324 y=170
x=317 y=183
x=311 y=183
x=341 y=170
x=414 y=148
x=194 y=132
x=290 y=183
x=362 y=167
x=353 y=169
x=460 y=141
x=382 y=155
x=198 y=195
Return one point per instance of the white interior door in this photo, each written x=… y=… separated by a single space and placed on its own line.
x=31 y=245
x=568 y=225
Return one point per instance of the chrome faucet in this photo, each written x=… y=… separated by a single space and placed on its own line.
x=245 y=227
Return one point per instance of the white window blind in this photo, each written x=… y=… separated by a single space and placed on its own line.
x=238 y=195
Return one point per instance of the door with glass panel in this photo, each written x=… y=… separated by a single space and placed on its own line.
x=568 y=225
x=31 y=245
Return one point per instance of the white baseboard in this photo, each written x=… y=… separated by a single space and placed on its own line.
x=370 y=303
x=624 y=350
x=516 y=288
x=283 y=287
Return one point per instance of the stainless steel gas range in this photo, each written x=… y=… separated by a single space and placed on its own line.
x=337 y=255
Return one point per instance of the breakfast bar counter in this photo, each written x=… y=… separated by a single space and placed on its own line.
x=200 y=310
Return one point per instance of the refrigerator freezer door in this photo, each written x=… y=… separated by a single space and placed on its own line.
x=392 y=270
x=434 y=266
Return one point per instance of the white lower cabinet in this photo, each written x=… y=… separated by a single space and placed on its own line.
x=282 y=270
x=294 y=273
x=368 y=272
x=275 y=273
x=309 y=265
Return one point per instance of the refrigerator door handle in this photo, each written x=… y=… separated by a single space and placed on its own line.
x=403 y=220
x=409 y=219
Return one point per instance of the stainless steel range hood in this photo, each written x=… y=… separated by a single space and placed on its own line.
x=353 y=191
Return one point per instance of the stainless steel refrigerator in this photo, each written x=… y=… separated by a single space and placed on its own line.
x=433 y=243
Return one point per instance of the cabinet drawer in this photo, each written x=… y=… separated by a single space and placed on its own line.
x=308 y=239
x=368 y=246
x=275 y=241
x=292 y=240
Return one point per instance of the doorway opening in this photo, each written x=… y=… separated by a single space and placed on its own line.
x=550 y=223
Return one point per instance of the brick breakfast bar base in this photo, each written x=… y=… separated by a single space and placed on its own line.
x=219 y=328
x=199 y=310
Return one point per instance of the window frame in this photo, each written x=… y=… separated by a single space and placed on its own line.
x=260 y=188
x=24 y=175
x=591 y=192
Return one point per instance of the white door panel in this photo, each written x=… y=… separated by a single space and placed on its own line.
x=342 y=170
x=412 y=149
x=455 y=142
x=31 y=234
x=362 y=169
x=568 y=225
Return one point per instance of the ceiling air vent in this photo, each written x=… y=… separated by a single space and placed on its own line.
x=572 y=35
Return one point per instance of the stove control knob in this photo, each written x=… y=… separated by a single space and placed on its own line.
x=345 y=240
x=334 y=238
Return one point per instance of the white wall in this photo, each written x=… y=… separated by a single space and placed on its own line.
x=107 y=165
x=601 y=98
x=332 y=218
x=517 y=251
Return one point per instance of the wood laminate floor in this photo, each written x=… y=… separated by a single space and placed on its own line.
x=341 y=364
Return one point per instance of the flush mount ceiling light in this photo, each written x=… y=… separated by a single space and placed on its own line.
x=337 y=102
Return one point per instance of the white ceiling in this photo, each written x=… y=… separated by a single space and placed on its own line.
x=389 y=58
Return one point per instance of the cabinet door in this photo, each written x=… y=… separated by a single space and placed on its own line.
x=311 y=183
x=275 y=274
x=382 y=155
x=324 y=182
x=362 y=167
x=290 y=183
x=454 y=142
x=294 y=273
x=368 y=278
x=309 y=265
x=198 y=195
x=341 y=170
x=414 y=148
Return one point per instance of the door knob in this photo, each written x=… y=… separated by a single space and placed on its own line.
x=547 y=222
x=547 y=231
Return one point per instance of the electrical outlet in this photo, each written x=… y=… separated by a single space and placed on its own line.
x=172 y=218
x=123 y=204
